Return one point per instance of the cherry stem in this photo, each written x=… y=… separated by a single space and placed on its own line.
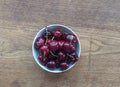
x=52 y=38
x=44 y=53
x=66 y=59
x=70 y=41
x=70 y=55
x=53 y=54
x=46 y=35
x=44 y=56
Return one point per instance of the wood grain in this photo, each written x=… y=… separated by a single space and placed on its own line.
x=97 y=24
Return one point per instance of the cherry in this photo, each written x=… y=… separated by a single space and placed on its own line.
x=61 y=56
x=42 y=59
x=49 y=40
x=60 y=43
x=71 y=38
x=44 y=62
x=57 y=34
x=68 y=47
x=74 y=54
x=72 y=47
x=53 y=45
x=64 y=65
x=74 y=60
x=39 y=42
x=44 y=50
x=75 y=57
x=51 y=64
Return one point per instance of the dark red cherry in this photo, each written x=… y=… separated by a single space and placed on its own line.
x=51 y=64
x=57 y=34
x=64 y=65
x=74 y=54
x=68 y=47
x=72 y=47
x=61 y=56
x=42 y=59
x=71 y=38
x=60 y=43
x=53 y=45
x=44 y=50
x=49 y=40
x=74 y=57
x=39 y=42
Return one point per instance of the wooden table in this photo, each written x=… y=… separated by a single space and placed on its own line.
x=96 y=22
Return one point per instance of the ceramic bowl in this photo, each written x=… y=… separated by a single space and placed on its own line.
x=53 y=27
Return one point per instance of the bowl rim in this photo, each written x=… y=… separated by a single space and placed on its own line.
x=48 y=70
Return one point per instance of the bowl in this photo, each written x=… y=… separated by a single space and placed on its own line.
x=65 y=29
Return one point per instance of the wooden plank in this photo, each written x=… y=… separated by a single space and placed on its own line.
x=105 y=60
x=96 y=22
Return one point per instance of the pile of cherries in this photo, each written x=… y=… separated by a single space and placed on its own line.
x=56 y=49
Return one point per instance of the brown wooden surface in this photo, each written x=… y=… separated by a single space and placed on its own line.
x=96 y=22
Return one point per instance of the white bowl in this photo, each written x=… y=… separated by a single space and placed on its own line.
x=53 y=27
